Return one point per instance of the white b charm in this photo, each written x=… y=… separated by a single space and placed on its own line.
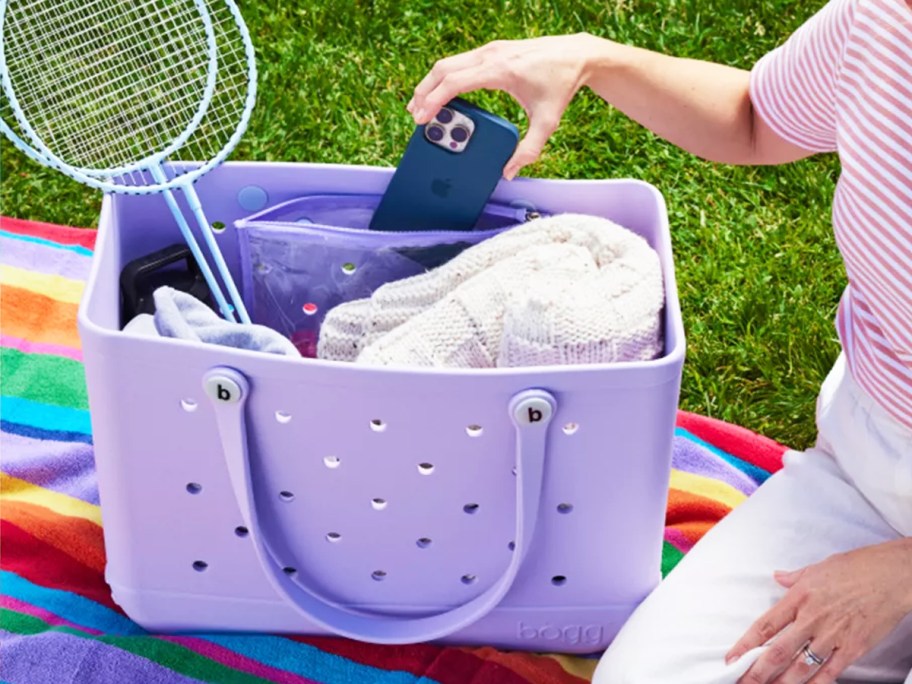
x=222 y=389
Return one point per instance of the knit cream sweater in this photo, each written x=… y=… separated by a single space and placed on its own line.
x=568 y=289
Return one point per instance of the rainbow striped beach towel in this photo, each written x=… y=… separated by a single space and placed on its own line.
x=58 y=623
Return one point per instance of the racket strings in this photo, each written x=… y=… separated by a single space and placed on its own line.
x=60 y=34
x=111 y=113
x=107 y=83
x=220 y=122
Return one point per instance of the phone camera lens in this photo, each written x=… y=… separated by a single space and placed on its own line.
x=434 y=133
x=460 y=134
x=444 y=116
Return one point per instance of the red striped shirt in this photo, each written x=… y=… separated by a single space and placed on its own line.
x=843 y=82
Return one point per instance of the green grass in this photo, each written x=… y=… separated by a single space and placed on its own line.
x=757 y=268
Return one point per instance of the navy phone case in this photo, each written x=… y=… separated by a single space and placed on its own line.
x=436 y=189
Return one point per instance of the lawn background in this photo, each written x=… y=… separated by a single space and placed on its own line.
x=757 y=268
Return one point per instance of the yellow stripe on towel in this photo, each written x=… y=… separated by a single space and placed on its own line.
x=14 y=489
x=53 y=286
x=704 y=486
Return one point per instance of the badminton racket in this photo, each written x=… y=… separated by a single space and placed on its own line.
x=121 y=94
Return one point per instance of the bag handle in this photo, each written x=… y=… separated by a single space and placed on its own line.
x=531 y=411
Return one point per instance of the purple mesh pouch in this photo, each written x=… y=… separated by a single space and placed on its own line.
x=303 y=257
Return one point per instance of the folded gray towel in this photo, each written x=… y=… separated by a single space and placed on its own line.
x=180 y=315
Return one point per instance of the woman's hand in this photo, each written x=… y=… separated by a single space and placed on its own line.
x=542 y=74
x=840 y=608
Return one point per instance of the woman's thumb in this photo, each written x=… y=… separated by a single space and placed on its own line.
x=530 y=147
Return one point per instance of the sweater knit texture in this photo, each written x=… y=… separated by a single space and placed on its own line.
x=567 y=289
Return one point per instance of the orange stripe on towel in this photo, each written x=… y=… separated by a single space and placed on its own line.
x=77 y=537
x=693 y=531
x=38 y=318
x=684 y=507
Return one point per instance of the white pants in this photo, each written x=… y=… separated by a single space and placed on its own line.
x=853 y=489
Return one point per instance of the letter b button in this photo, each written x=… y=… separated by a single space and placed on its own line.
x=532 y=411
x=222 y=389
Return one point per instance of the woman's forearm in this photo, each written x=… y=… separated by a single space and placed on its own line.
x=702 y=107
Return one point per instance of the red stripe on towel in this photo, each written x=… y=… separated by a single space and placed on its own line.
x=49 y=231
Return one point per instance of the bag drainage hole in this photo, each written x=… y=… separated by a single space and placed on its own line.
x=200 y=566
x=570 y=428
x=379 y=504
x=333 y=537
x=286 y=496
x=194 y=487
x=423 y=543
x=282 y=417
x=564 y=508
x=558 y=580
x=288 y=570
x=378 y=575
x=189 y=405
x=425 y=468
x=332 y=461
x=469 y=579
x=310 y=308
x=349 y=268
x=471 y=508
x=378 y=425
x=241 y=531
x=511 y=546
x=474 y=430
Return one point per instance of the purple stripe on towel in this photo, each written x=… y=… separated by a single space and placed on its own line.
x=39 y=258
x=61 y=658
x=64 y=467
x=692 y=458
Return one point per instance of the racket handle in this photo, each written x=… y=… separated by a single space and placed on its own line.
x=206 y=229
x=159 y=175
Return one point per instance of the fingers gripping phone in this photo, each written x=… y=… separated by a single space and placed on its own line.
x=448 y=171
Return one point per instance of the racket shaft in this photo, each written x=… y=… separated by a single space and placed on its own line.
x=197 y=208
x=214 y=287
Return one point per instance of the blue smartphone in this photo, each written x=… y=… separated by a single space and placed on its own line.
x=448 y=171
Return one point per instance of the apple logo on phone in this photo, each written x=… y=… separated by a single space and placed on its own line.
x=441 y=187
